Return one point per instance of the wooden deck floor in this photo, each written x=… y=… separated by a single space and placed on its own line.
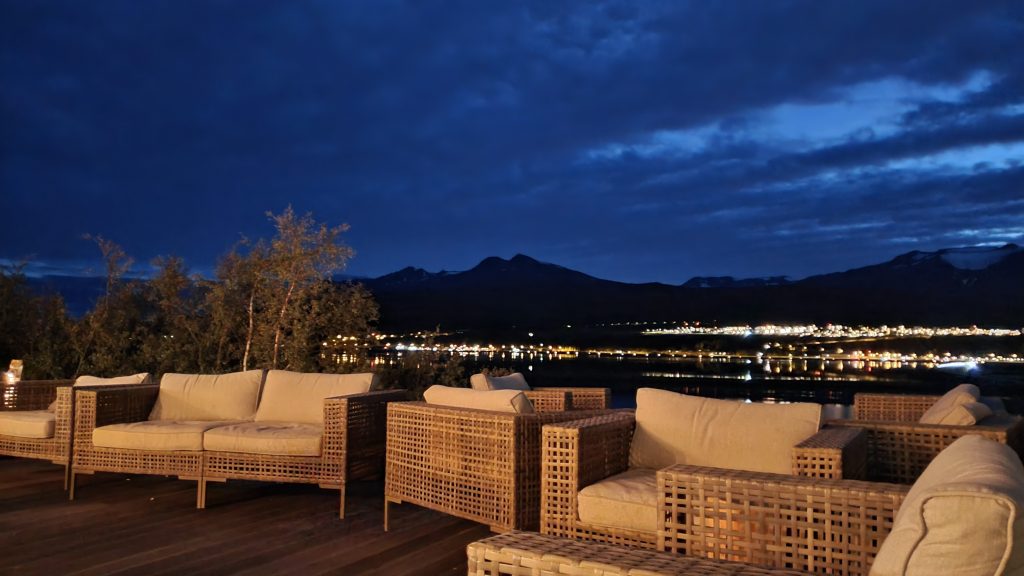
x=148 y=525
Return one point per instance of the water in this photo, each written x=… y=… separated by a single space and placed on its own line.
x=823 y=382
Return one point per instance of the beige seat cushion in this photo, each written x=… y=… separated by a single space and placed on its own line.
x=299 y=397
x=208 y=396
x=27 y=423
x=679 y=429
x=962 y=516
x=948 y=403
x=158 y=435
x=279 y=438
x=495 y=400
x=514 y=381
x=628 y=501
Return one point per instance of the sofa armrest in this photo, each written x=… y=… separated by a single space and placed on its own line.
x=588 y=398
x=30 y=394
x=575 y=454
x=777 y=520
x=354 y=432
x=834 y=453
x=891 y=407
x=101 y=406
x=550 y=399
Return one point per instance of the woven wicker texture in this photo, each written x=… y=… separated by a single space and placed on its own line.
x=587 y=398
x=352 y=448
x=811 y=524
x=550 y=400
x=110 y=405
x=37 y=395
x=900 y=448
x=528 y=554
x=579 y=453
x=479 y=465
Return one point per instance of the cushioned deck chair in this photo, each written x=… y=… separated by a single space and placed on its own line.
x=900 y=446
x=599 y=475
x=478 y=464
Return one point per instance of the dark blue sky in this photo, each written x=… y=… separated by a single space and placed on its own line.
x=630 y=140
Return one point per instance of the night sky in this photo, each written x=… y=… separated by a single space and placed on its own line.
x=629 y=140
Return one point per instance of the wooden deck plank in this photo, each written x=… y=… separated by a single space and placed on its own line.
x=148 y=525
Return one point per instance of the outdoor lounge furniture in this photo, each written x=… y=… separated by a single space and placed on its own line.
x=323 y=429
x=546 y=399
x=28 y=429
x=310 y=428
x=900 y=445
x=36 y=416
x=599 y=475
x=963 y=516
x=481 y=463
x=526 y=553
x=159 y=429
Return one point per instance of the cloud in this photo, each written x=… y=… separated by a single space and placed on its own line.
x=635 y=140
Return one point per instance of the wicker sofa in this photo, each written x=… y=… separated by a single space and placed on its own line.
x=482 y=463
x=36 y=416
x=964 y=515
x=546 y=399
x=900 y=445
x=216 y=427
x=323 y=429
x=599 y=475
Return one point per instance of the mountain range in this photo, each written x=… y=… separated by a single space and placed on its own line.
x=956 y=286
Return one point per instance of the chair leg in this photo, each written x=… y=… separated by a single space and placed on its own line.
x=201 y=494
x=67 y=479
x=386 y=504
x=341 y=511
x=71 y=485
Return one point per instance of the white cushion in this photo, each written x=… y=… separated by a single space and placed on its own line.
x=628 y=500
x=299 y=397
x=208 y=396
x=949 y=401
x=140 y=378
x=514 y=381
x=160 y=435
x=962 y=516
x=27 y=423
x=494 y=400
x=679 y=429
x=278 y=438
x=967 y=414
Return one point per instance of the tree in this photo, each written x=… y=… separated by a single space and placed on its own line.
x=107 y=339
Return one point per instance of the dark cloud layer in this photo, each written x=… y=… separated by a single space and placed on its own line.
x=632 y=140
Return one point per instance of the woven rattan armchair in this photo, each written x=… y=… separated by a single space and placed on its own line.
x=900 y=448
x=582 y=452
x=119 y=405
x=36 y=396
x=546 y=399
x=475 y=464
x=811 y=524
x=352 y=448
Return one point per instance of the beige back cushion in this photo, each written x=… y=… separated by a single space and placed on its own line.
x=208 y=396
x=678 y=429
x=962 y=516
x=967 y=414
x=140 y=378
x=514 y=381
x=948 y=403
x=299 y=397
x=496 y=400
